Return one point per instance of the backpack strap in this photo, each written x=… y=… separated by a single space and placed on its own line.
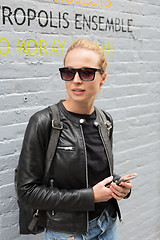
x=107 y=120
x=57 y=126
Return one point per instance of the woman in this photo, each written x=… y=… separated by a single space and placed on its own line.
x=77 y=201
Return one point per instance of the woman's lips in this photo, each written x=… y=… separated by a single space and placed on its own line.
x=78 y=91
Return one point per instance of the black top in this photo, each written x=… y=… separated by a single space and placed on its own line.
x=98 y=166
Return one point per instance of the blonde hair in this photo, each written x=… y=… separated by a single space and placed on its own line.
x=89 y=45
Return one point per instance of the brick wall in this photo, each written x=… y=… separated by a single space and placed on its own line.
x=34 y=35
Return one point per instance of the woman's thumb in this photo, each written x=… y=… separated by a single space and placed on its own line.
x=107 y=181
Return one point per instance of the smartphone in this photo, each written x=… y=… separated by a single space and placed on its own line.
x=108 y=184
x=124 y=180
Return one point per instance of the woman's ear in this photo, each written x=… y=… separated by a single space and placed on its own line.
x=104 y=76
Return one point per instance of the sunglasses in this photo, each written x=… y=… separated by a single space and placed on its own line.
x=85 y=74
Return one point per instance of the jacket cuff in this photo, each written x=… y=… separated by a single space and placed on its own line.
x=128 y=195
x=88 y=198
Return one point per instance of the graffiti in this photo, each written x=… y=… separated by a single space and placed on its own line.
x=51 y=20
x=100 y=3
x=19 y=16
x=5 y=52
x=84 y=22
x=101 y=23
x=33 y=47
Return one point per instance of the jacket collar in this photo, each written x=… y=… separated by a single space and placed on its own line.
x=75 y=119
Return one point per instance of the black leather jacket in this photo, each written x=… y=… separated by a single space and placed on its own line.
x=68 y=199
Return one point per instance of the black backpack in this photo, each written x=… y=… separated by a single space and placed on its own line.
x=28 y=217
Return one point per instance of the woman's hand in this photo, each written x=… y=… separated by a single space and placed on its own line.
x=123 y=189
x=101 y=192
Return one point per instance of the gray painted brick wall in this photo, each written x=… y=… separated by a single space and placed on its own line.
x=131 y=94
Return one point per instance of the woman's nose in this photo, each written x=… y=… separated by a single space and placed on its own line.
x=77 y=78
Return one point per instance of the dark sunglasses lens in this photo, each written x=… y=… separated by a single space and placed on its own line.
x=87 y=74
x=67 y=74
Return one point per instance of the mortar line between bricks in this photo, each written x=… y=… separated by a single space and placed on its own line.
x=140 y=147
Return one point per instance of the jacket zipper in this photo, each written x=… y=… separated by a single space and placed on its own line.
x=51 y=182
x=85 y=151
x=66 y=148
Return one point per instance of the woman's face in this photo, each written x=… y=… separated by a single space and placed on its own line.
x=79 y=90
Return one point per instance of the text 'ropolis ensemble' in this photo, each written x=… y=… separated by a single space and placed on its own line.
x=20 y=16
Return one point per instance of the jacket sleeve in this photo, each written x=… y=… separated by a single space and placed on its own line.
x=30 y=187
